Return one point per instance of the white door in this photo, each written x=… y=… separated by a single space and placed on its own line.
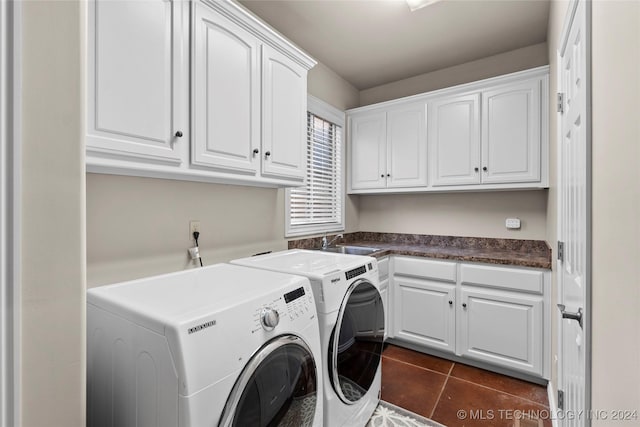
x=284 y=116
x=424 y=312
x=137 y=79
x=407 y=147
x=225 y=94
x=368 y=150
x=454 y=140
x=503 y=328
x=511 y=133
x=574 y=215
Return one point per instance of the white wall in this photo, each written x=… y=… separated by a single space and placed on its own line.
x=53 y=216
x=456 y=214
x=139 y=227
x=504 y=63
x=616 y=206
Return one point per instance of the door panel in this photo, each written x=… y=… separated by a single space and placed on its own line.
x=503 y=328
x=368 y=150
x=137 y=81
x=284 y=126
x=573 y=215
x=424 y=312
x=407 y=147
x=511 y=133
x=226 y=97
x=454 y=145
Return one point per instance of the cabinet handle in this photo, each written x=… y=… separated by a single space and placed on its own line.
x=388 y=175
x=450 y=302
x=484 y=168
x=476 y=169
x=382 y=176
x=255 y=151
x=179 y=134
x=267 y=154
x=464 y=305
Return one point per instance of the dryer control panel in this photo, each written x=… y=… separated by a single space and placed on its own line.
x=298 y=303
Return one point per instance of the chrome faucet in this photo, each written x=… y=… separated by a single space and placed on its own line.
x=326 y=244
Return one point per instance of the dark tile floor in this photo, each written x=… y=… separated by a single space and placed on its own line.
x=458 y=395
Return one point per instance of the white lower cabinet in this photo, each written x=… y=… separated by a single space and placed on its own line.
x=503 y=328
x=383 y=272
x=492 y=314
x=425 y=312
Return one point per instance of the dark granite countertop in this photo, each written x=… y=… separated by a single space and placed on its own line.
x=524 y=253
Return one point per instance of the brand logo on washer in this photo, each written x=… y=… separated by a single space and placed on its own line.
x=336 y=280
x=201 y=327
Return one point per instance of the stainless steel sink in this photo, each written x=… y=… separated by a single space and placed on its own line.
x=352 y=250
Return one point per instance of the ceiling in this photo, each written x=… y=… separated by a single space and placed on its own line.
x=373 y=42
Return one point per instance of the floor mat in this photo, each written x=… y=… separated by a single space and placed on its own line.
x=388 y=415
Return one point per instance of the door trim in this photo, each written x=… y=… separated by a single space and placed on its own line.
x=10 y=185
x=569 y=18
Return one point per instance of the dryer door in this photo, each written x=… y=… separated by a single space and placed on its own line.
x=278 y=387
x=355 y=355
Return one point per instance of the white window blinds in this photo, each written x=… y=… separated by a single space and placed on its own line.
x=318 y=206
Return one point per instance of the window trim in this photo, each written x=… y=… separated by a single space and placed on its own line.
x=330 y=113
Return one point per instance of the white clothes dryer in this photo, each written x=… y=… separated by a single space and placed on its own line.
x=351 y=317
x=217 y=346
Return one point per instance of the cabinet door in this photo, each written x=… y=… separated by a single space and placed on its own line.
x=368 y=150
x=137 y=79
x=511 y=133
x=424 y=312
x=284 y=116
x=407 y=147
x=225 y=94
x=454 y=140
x=503 y=328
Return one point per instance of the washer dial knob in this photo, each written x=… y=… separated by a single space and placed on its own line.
x=269 y=318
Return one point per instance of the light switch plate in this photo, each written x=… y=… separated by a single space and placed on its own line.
x=513 y=223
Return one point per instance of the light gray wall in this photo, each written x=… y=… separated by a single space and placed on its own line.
x=616 y=206
x=504 y=63
x=52 y=388
x=456 y=214
x=139 y=227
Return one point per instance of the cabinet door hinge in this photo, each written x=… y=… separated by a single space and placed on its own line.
x=560 y=399
x=560 y=251
x=560 y=102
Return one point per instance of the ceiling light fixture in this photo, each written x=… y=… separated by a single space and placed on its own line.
x=419 y=4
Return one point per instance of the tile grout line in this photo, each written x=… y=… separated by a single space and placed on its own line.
x=417 y=366
x=446 y=380
x=504 y=392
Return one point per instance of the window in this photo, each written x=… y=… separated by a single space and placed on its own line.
x=318 y=207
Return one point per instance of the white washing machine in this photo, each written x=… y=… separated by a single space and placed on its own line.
x=346 y=291
x=217 y=346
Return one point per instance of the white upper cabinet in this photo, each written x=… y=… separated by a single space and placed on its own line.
x=389 y=148
x=368 y=150
x=241 y=119
x=454 y=140
x=137 y=79
x=406 y=147
x=486 y=135
x=511 y=133
x=284 y=119
x=226 y=113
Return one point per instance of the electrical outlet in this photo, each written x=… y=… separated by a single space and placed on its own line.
x=193 y=227
x=513 y=223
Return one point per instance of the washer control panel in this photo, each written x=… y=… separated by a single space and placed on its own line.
x=294 y=305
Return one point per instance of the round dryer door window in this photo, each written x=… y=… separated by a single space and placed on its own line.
x=356 y=343
x=278 y=387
